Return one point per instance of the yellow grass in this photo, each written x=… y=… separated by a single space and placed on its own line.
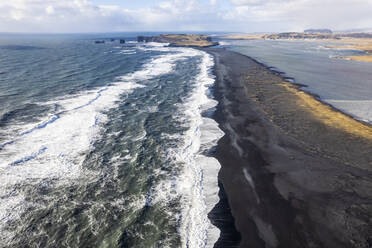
x=329 y=116
x=365 y=58
x=361 y=44
x=188 y=40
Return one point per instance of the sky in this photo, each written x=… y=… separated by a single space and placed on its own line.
x=248 y=16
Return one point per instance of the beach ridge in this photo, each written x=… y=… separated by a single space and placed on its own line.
x=293 y=175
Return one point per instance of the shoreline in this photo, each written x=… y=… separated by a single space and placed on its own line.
x=283 y=192
x=345 y=43
x=301 y=88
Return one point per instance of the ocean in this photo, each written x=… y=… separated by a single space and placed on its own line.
x=105 y=145
x=112 y=145
x=344 y=84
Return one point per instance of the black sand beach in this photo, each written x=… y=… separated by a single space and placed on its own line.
x=296 y=172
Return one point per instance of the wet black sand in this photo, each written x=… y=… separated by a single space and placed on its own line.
x=290 y=178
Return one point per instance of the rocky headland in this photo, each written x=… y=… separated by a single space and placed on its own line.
x=180 y=40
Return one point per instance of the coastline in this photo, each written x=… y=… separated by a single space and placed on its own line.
x=345 y=43
x=289 y=180
x=298 y=87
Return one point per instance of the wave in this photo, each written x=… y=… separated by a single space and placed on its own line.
x=197 y=184
x=55 y=148
x=127 y=51
x=200 y=177
x=224 y=43
x=154 y=44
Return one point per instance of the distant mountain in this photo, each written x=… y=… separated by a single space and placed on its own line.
x=318 y=31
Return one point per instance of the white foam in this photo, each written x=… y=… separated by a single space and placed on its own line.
x=56 y=149
x=154 y=44
x=128 y=51
x=65 y=142
x=224 y=43
x=197 y=185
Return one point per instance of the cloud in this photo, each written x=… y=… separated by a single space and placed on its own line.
x=50 y=10
x=183 y=15
x=246 y=2
x=84 y=16
x=299 y=14
x=55 y=15
x=257 y=2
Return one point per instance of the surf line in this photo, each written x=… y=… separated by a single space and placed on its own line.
x=53 y=119
x=30 y=157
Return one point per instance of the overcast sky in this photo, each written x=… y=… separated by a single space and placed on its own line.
x=71 y=16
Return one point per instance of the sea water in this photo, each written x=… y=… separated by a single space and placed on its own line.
x=105 y=145
x=345 y=84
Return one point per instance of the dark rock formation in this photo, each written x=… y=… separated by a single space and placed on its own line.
x=180 y=40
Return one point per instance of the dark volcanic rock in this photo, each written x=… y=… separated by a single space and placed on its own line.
x=180 y=40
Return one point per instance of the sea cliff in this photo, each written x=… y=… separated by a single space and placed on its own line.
x=180 y=40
